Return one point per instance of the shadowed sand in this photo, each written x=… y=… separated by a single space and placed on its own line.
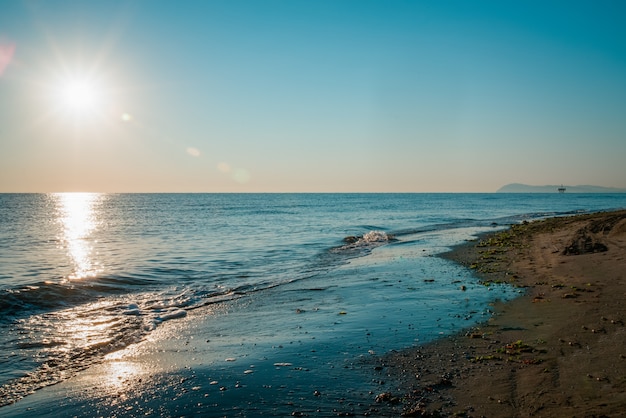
x=559 y=350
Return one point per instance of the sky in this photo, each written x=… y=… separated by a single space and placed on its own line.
x=310 y=96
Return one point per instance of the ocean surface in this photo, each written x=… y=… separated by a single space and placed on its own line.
x=289 y=289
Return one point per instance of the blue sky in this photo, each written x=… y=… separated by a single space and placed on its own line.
x=308 y=96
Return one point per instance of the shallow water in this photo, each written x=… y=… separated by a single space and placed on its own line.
x=260 y=280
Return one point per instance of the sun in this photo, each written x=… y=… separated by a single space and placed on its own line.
x=80 y=97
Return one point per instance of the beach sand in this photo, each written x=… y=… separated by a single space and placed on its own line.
x=559 y=350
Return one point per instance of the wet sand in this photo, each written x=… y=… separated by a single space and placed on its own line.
x=559 y=350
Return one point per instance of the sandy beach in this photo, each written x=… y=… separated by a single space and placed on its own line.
x=559 y=350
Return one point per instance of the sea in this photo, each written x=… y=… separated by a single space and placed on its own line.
x=236 y=304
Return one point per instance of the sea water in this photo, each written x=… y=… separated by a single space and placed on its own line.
x=275 y=297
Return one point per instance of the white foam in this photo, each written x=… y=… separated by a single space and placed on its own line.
x=375 y=236
x=179 y=313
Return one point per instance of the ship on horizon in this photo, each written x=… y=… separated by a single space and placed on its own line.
x=561 y=189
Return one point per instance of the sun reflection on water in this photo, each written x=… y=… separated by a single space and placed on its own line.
x=78 y=218
x=119 y=374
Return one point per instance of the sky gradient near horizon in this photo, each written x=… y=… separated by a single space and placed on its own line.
x=310 y=96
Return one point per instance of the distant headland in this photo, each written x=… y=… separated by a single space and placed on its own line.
x=525 y=188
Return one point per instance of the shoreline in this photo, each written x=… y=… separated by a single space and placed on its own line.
x=557 y=350
x=193 y=367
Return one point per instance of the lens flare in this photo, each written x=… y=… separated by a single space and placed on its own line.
x=6 y=55
x=241 y=175
x=224 y=167
x=194 y=152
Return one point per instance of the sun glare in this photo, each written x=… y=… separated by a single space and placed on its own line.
x=80 y=97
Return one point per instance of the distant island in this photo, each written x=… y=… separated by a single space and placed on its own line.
x=525 y=188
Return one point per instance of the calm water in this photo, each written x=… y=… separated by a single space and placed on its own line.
x=83 y=276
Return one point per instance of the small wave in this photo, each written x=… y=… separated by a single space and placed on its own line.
x=179 y=313
x=368 y=238
x=46 y=296
x=376 y=236
x=365 y=242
